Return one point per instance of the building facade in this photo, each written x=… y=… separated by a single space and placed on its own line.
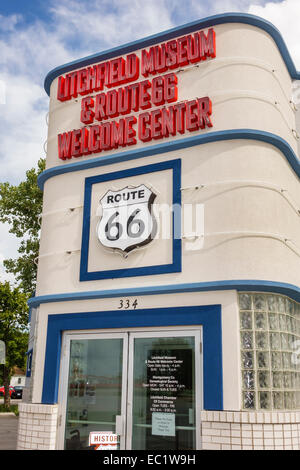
x=167 y=305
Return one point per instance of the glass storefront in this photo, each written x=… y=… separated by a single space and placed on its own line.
x=270 y=351
x=143 y=387
x=94 y=389
x=164 y=393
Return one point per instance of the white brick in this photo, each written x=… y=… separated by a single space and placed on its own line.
x=211 y=432
x=246 y=427
x=267 y=417
x=209 y=446
x=258 y=442
x=268 y=427
x=236 y=426
x=38 y=428
x=246 y=442
x=236 y=440
x=269 y=442
x=257 y=427
x=268 y=434
x=46 y=435
x=221 y=425
x=225 y=432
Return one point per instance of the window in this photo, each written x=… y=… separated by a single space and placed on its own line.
x=270 y=351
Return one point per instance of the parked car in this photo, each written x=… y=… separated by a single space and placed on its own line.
x=18 y=391
x=11 y=391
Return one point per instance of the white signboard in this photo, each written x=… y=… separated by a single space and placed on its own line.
x=127 y=221
x=104 y=440
x=163 y=424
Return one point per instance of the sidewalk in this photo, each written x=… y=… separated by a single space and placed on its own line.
x=8 y=431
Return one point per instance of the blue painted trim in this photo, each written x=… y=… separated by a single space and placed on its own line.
x=30 y=310
x=29 y=315
x=174 y=266
x=250 y=285
x=170 y=146
x=29 y=355
x=215 y=20
x=207 y=316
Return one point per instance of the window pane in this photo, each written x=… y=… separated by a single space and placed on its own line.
x=94 y=389
x=164 y=393
x=270 y=333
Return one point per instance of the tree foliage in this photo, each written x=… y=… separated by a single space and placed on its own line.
x=13 y=330
x=21 y=207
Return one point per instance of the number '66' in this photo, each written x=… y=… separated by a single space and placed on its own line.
x=114 y=230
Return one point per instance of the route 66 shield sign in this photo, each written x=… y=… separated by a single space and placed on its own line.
x=127 y=221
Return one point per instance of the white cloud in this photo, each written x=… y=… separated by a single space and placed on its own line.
x=77 y=28
x=102 y=25
x=285 y=16
x=9 y=23
x=8 y=249
x=23 y=127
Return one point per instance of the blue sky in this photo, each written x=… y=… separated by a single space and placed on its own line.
x=38 y=35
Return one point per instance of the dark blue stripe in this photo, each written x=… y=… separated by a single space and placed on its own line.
x=207 y=316
x=170 y=146
x=174 y=266
x=289 y=290
x=224 y=18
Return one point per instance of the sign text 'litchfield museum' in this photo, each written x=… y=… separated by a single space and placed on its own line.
x=121 y=95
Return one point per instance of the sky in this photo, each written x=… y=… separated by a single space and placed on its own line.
x=38 y=35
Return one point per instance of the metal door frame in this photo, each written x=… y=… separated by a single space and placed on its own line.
x=128 y=335
x=178 y=332
x=64 y=374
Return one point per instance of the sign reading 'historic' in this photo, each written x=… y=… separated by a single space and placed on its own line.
x=118 y=113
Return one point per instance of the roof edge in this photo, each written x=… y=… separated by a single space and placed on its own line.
x=178 y=144
x=214 y=20
x=240 y=285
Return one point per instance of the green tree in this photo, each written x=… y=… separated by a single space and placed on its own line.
x=20 y=207
x=13 y=331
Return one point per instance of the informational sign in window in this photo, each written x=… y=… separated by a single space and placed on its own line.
x=163 y=424
x=103 y=440
x=164 y=382
x=168 y=386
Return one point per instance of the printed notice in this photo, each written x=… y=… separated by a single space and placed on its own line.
x=164 y=382
x=163 y=424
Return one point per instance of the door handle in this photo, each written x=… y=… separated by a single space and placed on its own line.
x=120 y=425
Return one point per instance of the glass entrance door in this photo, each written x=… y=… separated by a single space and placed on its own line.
x=164 y=397
x=143 y=386
x=95 y=391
